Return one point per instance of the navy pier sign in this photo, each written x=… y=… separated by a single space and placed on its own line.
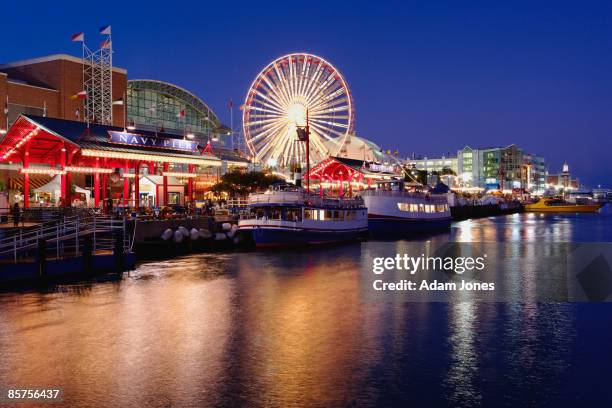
x=134 y=139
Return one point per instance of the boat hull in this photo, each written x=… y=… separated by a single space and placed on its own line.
x=274 y=237
x=570 y=209
x=384 y=225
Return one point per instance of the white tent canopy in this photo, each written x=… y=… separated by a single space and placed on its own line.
x=54 y=187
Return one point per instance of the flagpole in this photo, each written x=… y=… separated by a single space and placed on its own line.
x=125 y=111
x=232 y=122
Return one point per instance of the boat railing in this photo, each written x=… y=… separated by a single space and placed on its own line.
x=436 y=198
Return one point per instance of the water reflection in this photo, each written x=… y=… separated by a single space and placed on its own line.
x=293 y=329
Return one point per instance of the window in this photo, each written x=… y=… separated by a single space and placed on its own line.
x=174 y=198
x=403 y=206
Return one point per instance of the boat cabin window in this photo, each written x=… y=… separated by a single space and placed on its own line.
x=426 y=208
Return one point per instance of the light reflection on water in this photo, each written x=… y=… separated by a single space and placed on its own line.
x=292 y=329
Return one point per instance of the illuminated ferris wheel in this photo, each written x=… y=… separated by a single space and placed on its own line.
x=282 y=96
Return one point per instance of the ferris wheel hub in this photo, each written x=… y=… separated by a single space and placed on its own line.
x=297 y=114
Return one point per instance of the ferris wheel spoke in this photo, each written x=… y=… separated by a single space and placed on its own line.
x=325 y=106
x=344 y=117
x=332 y=110
x=329 y=123
x=322 y=132
x=261 y=109
x=326 y=126
x=320 y=147
x=264 y=135
x=280 y=98
x=269 y=102
x=321 y=90
x=267 y=128
x=312 y=81
x=262 y=121
x=264 y=116
x=283 y=82
x=303 y=75
x=292 y=77
x=274 y=147
x=270 y=95
x=276 y=84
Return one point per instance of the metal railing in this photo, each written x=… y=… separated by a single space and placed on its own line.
x=303 y=198
x=67 y=237
x=434 y=198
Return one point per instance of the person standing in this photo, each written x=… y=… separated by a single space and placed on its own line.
x=16 y=214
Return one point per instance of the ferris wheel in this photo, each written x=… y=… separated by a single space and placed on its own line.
x=289 y=90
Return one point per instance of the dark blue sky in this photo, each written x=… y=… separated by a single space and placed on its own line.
x=427 y=77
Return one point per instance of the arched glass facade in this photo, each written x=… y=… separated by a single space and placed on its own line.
x=156 y=105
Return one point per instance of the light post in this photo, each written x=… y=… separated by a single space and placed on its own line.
x=303 y=133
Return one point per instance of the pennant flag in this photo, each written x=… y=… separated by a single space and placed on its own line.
x=78 y=37
x=118 y=102
x=105 y=44
x=181 y=114
x=105 y=30
x=79 y=95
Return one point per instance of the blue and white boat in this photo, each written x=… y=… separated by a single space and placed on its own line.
x=394 y=211
x=286 y=215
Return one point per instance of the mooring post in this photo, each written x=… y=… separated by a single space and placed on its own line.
x=87 y=254
x=41 y=257
x=118 y=252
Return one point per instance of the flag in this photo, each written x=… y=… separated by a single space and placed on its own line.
x=6 y=109
x=118 y=101
x=105 y=30
x=79 y=95
x=302 y=134
x=78 y=37
x=77 y=113
x=181 y=114
x=231 y=104
x=105 y=44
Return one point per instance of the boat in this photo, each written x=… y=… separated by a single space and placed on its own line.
x=488 y=206
x=557 y=205
x=286 y=215
x=394 y=211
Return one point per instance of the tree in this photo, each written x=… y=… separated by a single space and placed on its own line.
x=237 y=182
x=448 y=171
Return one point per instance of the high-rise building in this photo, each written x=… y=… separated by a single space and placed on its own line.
x=439 y=164
x=503 y=168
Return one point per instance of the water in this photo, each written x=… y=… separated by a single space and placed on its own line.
x=291 y=329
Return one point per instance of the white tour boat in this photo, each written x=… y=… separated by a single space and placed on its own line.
x=394 y=211
x=286 y=215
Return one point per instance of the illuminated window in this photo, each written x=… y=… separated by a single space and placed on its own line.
x=322 y=215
